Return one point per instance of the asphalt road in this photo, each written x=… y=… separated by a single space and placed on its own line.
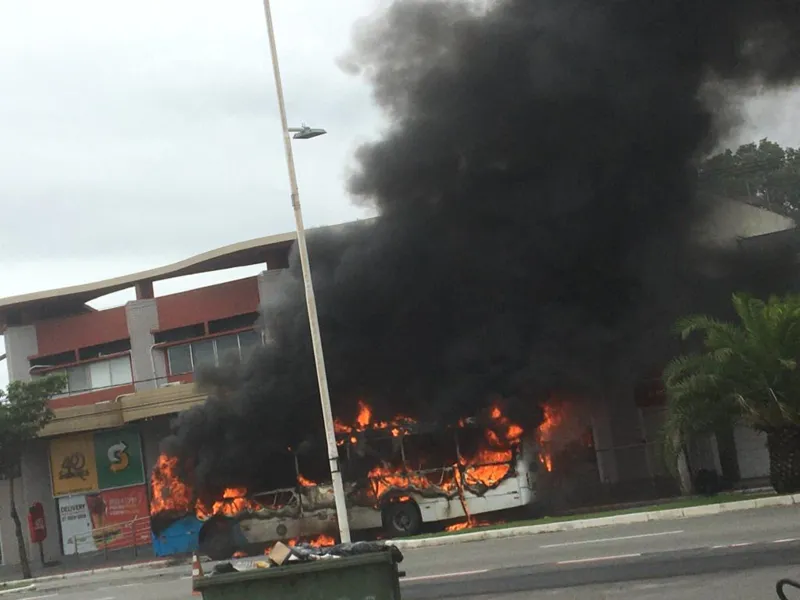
x=771 y=526
x=753 y=584
x=737 y=555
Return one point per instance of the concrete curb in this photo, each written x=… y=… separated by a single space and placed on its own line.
x=577 y=524
x=153 y=564
x=27 y=588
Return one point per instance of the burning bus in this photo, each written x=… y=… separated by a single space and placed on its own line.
x=399 y=477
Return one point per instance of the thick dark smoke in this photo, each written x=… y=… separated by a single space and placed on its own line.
x=536 y=191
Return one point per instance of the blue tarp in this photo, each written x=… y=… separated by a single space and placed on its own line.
x=179 y=538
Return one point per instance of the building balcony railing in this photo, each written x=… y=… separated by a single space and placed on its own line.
x=97 y=379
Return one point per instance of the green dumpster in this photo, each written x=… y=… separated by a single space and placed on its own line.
x=372 y=576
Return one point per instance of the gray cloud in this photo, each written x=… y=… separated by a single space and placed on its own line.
x=142 y=132
x=131 y=128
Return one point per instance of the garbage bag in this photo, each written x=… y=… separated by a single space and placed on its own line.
x=308 y=552
x=225 y=567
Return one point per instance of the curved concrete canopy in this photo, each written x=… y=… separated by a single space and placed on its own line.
x=73 y=299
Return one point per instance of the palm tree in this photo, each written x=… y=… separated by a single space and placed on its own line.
x=747 y=372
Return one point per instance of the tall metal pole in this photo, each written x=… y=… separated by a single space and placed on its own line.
x=313 y=320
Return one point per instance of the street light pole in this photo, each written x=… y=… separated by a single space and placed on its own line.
x=313 y=320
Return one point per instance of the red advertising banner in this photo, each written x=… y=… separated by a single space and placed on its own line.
x=125 y=513
x=110 y=520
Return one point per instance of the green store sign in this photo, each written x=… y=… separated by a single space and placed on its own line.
x=118 y=454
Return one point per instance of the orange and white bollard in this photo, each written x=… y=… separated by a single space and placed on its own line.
x=197 y=572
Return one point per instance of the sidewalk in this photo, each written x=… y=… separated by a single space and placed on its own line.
x=644 y=516
x=72 y=566
x=75 y=566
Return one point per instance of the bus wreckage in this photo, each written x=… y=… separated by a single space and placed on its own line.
x=398 y=476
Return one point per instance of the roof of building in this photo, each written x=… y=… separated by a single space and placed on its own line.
x=73 y=299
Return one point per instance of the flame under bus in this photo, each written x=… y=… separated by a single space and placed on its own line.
x=396 y=480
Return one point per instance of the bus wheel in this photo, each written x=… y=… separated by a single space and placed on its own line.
x=402 y=519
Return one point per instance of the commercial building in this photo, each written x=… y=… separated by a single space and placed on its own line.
x=130 y=368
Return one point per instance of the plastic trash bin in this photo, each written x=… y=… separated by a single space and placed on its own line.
x=373 y=576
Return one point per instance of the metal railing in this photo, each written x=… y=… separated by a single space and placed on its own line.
x=118 y=536
x=605 y=476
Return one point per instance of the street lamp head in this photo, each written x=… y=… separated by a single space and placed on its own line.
x=306 y=133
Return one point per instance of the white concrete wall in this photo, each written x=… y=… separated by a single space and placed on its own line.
x=751 y=452
x=33 y=486
x=652 y=419
x=267 y=282
x=142 y=318
x=620 y=440
x=604 y=443
x=8 y=540
x=704 y=454
x=21 y=342
x=730 y=220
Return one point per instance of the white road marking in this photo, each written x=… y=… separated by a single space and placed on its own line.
x=40 y=597
x=576 y=561
x=104 y=598
x=444 y=575
x=739 y=545
x=612 y=539
x=122 y=585
x=785 y=540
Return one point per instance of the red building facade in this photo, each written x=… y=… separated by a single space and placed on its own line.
x=129 y=369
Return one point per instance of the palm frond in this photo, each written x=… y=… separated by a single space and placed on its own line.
x=745 y=371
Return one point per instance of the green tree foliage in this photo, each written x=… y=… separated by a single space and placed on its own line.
x=24 y=410
x=764 y=173
x=745 y=372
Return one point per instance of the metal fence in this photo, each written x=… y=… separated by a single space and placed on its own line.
x=607 y=476
x=129 y=536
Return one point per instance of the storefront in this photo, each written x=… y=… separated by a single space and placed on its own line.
x=98 y=483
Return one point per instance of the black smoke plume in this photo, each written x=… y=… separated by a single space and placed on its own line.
x=536 y=191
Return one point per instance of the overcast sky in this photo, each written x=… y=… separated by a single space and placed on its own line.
x=139 y=132
x=136 y=133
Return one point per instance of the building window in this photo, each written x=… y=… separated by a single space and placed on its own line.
x=179 y=334
x=107 y=349
x=248 y=342
x=187 y=358
x=180 y=359
x=204 y=354
x=232 y=323
x=98 y=375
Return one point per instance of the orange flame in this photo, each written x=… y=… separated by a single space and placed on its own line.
x=364 y=415
x=303 y=482
x=552 y=419
x=364 y=421
x=470 y=524
x=321 y=541
x=488 y=466
x=233 y=502
x=169 y=492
